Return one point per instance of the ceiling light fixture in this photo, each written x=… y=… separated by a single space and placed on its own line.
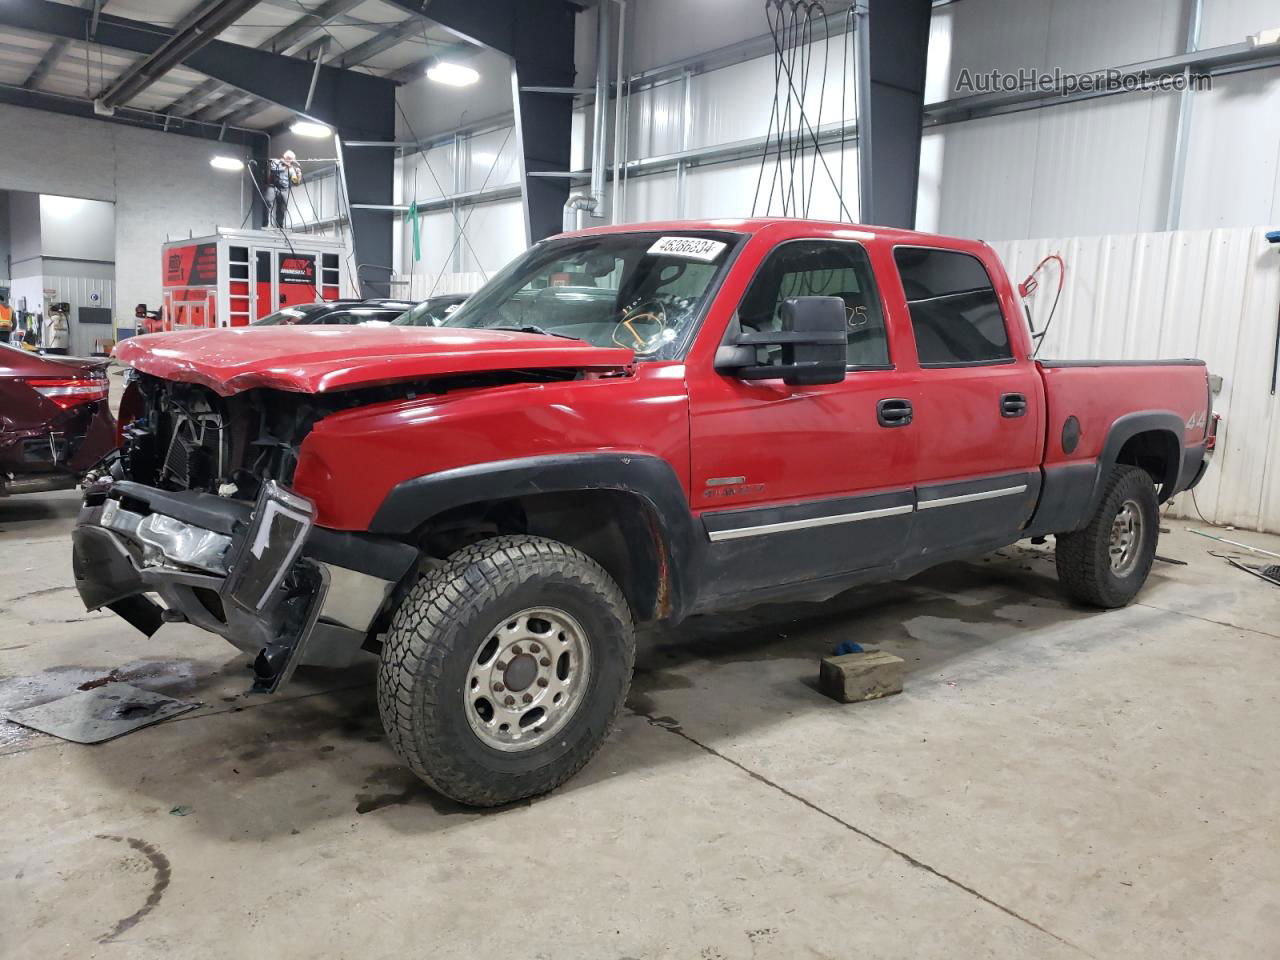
x=309 y=128
x=226 y=163
x=452 y=74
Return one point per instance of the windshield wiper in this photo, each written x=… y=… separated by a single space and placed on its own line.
x=534 y=328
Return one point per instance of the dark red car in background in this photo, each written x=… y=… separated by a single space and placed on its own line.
x=55 y=423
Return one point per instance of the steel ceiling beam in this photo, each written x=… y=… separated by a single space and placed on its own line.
x=504 y=25
x=414 y=71
x=242 y=109
x=538 y=35
x=57 y=49
x=46 y=64
x=236 y=107
x=204 y=27
x=381 y=42
x=125 y=116
x=298 y=33
x=358 y=106
x=362 y=105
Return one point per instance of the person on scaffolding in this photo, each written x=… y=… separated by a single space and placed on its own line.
x=282 y=174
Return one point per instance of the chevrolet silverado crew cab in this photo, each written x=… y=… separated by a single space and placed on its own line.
x=624 y=425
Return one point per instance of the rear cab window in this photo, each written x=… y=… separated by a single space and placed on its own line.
x=955 y=312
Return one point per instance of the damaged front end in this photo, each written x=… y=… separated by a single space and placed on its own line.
x=216 y=535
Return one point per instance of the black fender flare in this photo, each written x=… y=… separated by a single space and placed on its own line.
x=1125 y=428
x=411 y=503
x=1072 y=491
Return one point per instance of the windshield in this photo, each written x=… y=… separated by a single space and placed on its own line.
x=430 y=313
x=289 y=315
x=642 y=291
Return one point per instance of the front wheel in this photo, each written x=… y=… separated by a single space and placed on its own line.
x=1106 y=563
x=505 y=669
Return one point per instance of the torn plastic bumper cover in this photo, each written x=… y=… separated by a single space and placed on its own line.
x=261 y=575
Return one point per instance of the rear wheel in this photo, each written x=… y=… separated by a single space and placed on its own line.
x=1106 y=563
x=504 y=670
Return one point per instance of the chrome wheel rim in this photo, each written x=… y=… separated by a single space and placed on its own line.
x=1126 y=539
x=527 y=678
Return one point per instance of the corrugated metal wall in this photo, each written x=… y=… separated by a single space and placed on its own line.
x=315 y=201
x=461 y=247
x=1212 y=294
x=1103 y=165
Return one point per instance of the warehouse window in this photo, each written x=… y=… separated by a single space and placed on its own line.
x=821 y=268
x=955 y=313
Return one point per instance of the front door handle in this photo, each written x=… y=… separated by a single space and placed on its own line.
x=1013 y=405
x=894 y=412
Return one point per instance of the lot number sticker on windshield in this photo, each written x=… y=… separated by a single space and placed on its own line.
x=688 y=248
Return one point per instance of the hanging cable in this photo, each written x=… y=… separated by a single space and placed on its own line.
x=822 y=98
x=846 y=71
x=806 y=126
x=851 y=21
x=1029 y=286
x=773 y=110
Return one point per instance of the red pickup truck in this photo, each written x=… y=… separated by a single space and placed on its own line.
x=625 y=425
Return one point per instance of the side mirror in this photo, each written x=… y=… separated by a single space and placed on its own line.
x=814 y=340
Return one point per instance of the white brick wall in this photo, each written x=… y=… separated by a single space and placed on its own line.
x=162 y=185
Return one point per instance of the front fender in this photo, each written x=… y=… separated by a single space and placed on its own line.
x=412 y=503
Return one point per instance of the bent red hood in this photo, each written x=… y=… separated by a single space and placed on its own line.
x=318 y=359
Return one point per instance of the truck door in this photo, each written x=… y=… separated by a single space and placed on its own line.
x=979 y=410
x=808 y=482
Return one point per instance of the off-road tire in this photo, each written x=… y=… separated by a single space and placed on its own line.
x=1083 y=558
x=436 y=633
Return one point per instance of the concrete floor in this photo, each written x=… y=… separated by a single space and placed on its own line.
x=1054 y=782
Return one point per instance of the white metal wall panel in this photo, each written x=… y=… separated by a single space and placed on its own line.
x=985 y=175
x=314 y=200
x=656 y=121
x=736 y=102
x=437 y=233
x=1071 y=35
x=1230 y=21
x=650 y=198
x=492 y=158
x=732 y=103
x=496 y=235
x=1100 y=166
x=721 y=190
x=427 y=177
x=1233 y=176
x=1212 y=294
x=929 y=188
x=937 y=76
x=664 y=31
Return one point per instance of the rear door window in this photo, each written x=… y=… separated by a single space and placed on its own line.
x=955 y=312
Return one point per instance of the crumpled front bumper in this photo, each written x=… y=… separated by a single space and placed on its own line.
x=134 y=544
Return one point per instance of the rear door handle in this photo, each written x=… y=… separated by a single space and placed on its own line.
x=894 y=412
x=1013 y=405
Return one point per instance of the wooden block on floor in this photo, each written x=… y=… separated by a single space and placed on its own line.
x=860 y=676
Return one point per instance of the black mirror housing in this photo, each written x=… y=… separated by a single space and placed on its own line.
x=814 y=340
